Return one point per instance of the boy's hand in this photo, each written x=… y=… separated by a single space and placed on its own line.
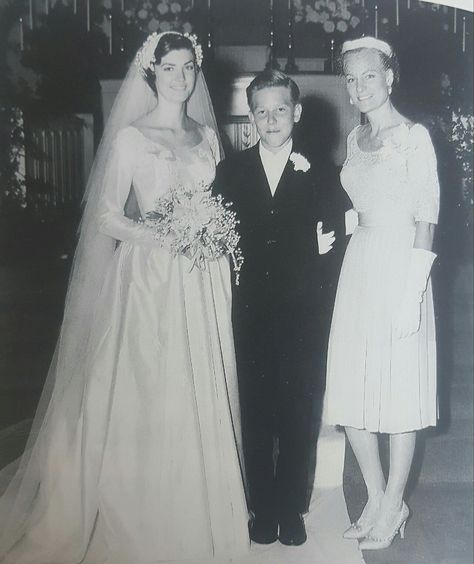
x=325 y=240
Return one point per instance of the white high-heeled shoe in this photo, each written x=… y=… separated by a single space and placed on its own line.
x=376 y=543
x=360 y=528
x=357 y=530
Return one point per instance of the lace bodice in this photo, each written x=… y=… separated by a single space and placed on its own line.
x=152 y=170
x=399 y=178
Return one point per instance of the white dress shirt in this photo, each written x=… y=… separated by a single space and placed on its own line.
x=274 y=163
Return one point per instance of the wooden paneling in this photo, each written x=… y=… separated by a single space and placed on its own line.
x=58 y=161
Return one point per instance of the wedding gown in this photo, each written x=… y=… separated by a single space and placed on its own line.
x=151 y=471
x=147 y=471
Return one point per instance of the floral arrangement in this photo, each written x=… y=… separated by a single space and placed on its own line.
x=159 y=15
x=12 y=131
x=463 y=139
x=332 y=15
x=12 y=157
x=198 y=225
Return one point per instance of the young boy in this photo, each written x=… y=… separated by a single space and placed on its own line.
x=278 y=307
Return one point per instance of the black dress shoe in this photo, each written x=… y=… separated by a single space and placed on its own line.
x=264 y=529
x=292 y=530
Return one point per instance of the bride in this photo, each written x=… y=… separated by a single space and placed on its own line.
x=134 y=454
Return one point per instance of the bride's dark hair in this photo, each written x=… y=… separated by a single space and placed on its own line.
x=169 y=42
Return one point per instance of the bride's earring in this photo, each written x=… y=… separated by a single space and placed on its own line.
x=351 y=102
x=389 y=88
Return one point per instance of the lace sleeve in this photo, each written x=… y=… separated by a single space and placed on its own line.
x=423 y=175
x=213 y=143
x=118 y=182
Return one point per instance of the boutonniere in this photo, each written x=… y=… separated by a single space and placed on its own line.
x=299 y=162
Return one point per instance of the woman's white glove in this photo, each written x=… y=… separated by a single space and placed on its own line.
x=325 y=240
x=351 y=220
x=408 y=316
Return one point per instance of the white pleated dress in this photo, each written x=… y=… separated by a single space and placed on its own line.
x=376 y=381
x=149 y=470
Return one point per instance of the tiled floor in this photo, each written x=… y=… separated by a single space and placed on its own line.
x=33 y=277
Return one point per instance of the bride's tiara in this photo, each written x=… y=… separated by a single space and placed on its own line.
x=367 y=43
x=145 y=58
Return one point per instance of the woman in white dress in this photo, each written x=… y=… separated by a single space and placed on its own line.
x=134 y=456
x=382 y=351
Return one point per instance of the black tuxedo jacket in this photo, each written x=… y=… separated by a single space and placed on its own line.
x=282 y=266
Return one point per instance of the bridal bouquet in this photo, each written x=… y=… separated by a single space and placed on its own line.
x=198 y=225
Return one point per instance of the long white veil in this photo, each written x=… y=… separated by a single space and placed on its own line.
x=64 y=387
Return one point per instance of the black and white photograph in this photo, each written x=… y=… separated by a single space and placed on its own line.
x=236 y=282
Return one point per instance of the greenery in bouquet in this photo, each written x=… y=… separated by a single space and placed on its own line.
x=331 y=16
x=197 y=225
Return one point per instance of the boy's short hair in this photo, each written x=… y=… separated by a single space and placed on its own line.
x=270 y=78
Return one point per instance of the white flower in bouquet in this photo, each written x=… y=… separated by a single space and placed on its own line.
x=331 y=6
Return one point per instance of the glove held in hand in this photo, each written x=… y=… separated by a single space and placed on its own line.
x=408 y=316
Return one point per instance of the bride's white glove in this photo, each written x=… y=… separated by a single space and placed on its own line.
x=325 y=240
x=407 y=318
